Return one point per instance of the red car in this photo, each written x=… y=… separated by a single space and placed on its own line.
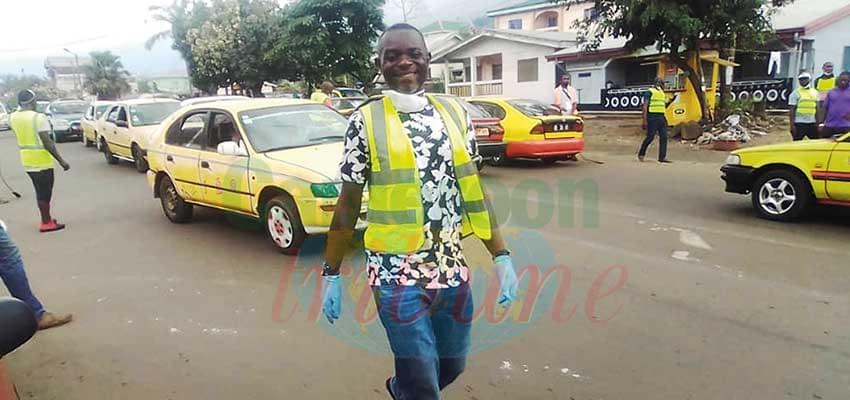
x=488 y=135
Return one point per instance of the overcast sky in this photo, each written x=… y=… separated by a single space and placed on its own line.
x=35 y=29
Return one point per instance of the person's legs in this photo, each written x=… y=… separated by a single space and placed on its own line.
x=799 y=132
x=661 y=128
x=808 y=130
x=43 y=183
x=452 y=322
x=650 y=135
x=13 y=274
x=404 y=312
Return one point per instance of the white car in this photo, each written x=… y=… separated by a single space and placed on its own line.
x=210 y=99
x=89 y=123
x=126 y=131
x=4 y=118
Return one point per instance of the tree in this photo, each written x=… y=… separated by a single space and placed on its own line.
x=182 y=15
x=679 y=27
x=144 y=86
x=11 y=84
x=408 y=8
x=106 y=77
x=233 y=43
x=321 y=39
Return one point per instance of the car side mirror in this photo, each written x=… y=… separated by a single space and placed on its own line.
x=121 y=124
x=18 y=322
x=231 y=148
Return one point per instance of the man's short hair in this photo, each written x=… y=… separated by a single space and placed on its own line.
x=399 y=27
x=828 y=63
x=327 y=86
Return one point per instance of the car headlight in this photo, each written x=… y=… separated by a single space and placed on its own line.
x=733 y=159
x=324 y=190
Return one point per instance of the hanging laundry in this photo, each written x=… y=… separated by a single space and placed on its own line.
x=774 y=65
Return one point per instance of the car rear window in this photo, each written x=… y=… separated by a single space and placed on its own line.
x=475 y=112
x=152 y=113
x=534 y=108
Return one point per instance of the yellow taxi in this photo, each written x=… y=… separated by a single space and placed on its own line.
x=126 y=131
x=785 y=179
x=274 y=160
x=95 y=113
x=534 y=129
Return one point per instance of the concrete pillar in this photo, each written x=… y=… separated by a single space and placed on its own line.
x=473 y=72
x=446 y=75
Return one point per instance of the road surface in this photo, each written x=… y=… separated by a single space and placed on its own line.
x=713 y=302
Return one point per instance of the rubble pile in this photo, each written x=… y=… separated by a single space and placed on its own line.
x=735 y=128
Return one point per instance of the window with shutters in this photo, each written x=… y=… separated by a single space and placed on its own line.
x=527 y=70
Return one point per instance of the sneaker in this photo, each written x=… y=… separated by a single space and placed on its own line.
x=640 y=158
x=665 y=161
x=50 y=320
x=51 y=227
x=390 y=387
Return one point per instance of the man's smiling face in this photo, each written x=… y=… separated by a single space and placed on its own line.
x=404 y=60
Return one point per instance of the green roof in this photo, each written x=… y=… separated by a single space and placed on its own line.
x=527 y=3
x=453 y=26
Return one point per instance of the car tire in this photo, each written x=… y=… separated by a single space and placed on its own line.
x=139 y=159
x=97 y=142
x=110 y=158
x=174 y=207
x=499 y=159
x=283 y=225
x=85 y=141
x=781 y=195
x=480 y=165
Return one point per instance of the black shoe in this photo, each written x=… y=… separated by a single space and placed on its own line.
x=390 y=388
x=665 y=161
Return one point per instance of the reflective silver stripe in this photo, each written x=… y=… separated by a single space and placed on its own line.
x=379 y=130
x=391 y=217
x=32 y=147
x=475 y=206
x=394 y=176
x=465 y=169
x=452 y=113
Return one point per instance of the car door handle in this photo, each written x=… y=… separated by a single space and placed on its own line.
x=205 y=164
x=169 y=159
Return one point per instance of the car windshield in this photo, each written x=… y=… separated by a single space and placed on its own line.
x=350 y=93
x=475 y=112
x=41 y=106
x=347 y=103
x=284 y=127
x=69 y=108
x=99 y=110
x=533 y=108
x=152 y=113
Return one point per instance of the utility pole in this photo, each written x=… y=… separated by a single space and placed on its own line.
x=78 y=84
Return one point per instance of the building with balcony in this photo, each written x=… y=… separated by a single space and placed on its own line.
x=66 y=73
x=542 y=15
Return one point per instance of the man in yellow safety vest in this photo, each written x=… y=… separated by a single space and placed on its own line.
x=655 y=104
x=38 y=151
x=804 y=107
x=413 y=152
x=323 y=95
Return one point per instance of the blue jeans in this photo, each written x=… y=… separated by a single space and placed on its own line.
x=13 y=275
x=655 y=125
x=428 y=331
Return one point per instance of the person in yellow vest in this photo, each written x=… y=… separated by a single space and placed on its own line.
x=655 y=104
x=37 y=154
x=323 y=95
x=412 y=151
x=826 y=81
x=804 y=107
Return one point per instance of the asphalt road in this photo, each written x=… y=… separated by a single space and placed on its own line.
x=713 y=303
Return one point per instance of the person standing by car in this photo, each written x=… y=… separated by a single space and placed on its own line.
x=424 y=193
x=566 y=97
x=324 y=94
x=37 y=154
x=13 y=275
x=837 y=107
x=654 y=121
x=804 y=107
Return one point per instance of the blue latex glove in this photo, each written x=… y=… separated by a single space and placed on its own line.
x=507 y=280
x=331 y=297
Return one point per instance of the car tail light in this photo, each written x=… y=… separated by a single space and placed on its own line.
x=579 y=126
x=496 y=131
x=538 y=130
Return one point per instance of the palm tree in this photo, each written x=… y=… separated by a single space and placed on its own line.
x=106 y=76
x=176 y=15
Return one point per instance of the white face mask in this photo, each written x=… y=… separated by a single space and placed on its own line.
x=407 y=103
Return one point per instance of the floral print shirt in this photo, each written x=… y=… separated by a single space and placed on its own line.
x=440 y=263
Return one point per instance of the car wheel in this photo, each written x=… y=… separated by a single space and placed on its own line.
x=283 y=225
x=85 y=141
x=98 y=142
x=781 y=195
x=173 y=206
x=480 y=165
x=139 y=159
x=499 y=159
x=110 y=158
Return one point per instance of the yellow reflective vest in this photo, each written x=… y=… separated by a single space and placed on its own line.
x=808 y=103
x=395 y=212
x=33 y=155
x=823 y=84
x=658 y=101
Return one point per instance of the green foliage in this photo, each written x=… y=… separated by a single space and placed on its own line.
x=106 y=76
x=144 y=86
x=326 y=38
x=11 y=84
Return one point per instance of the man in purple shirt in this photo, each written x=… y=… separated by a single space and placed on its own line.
x=837 y=107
